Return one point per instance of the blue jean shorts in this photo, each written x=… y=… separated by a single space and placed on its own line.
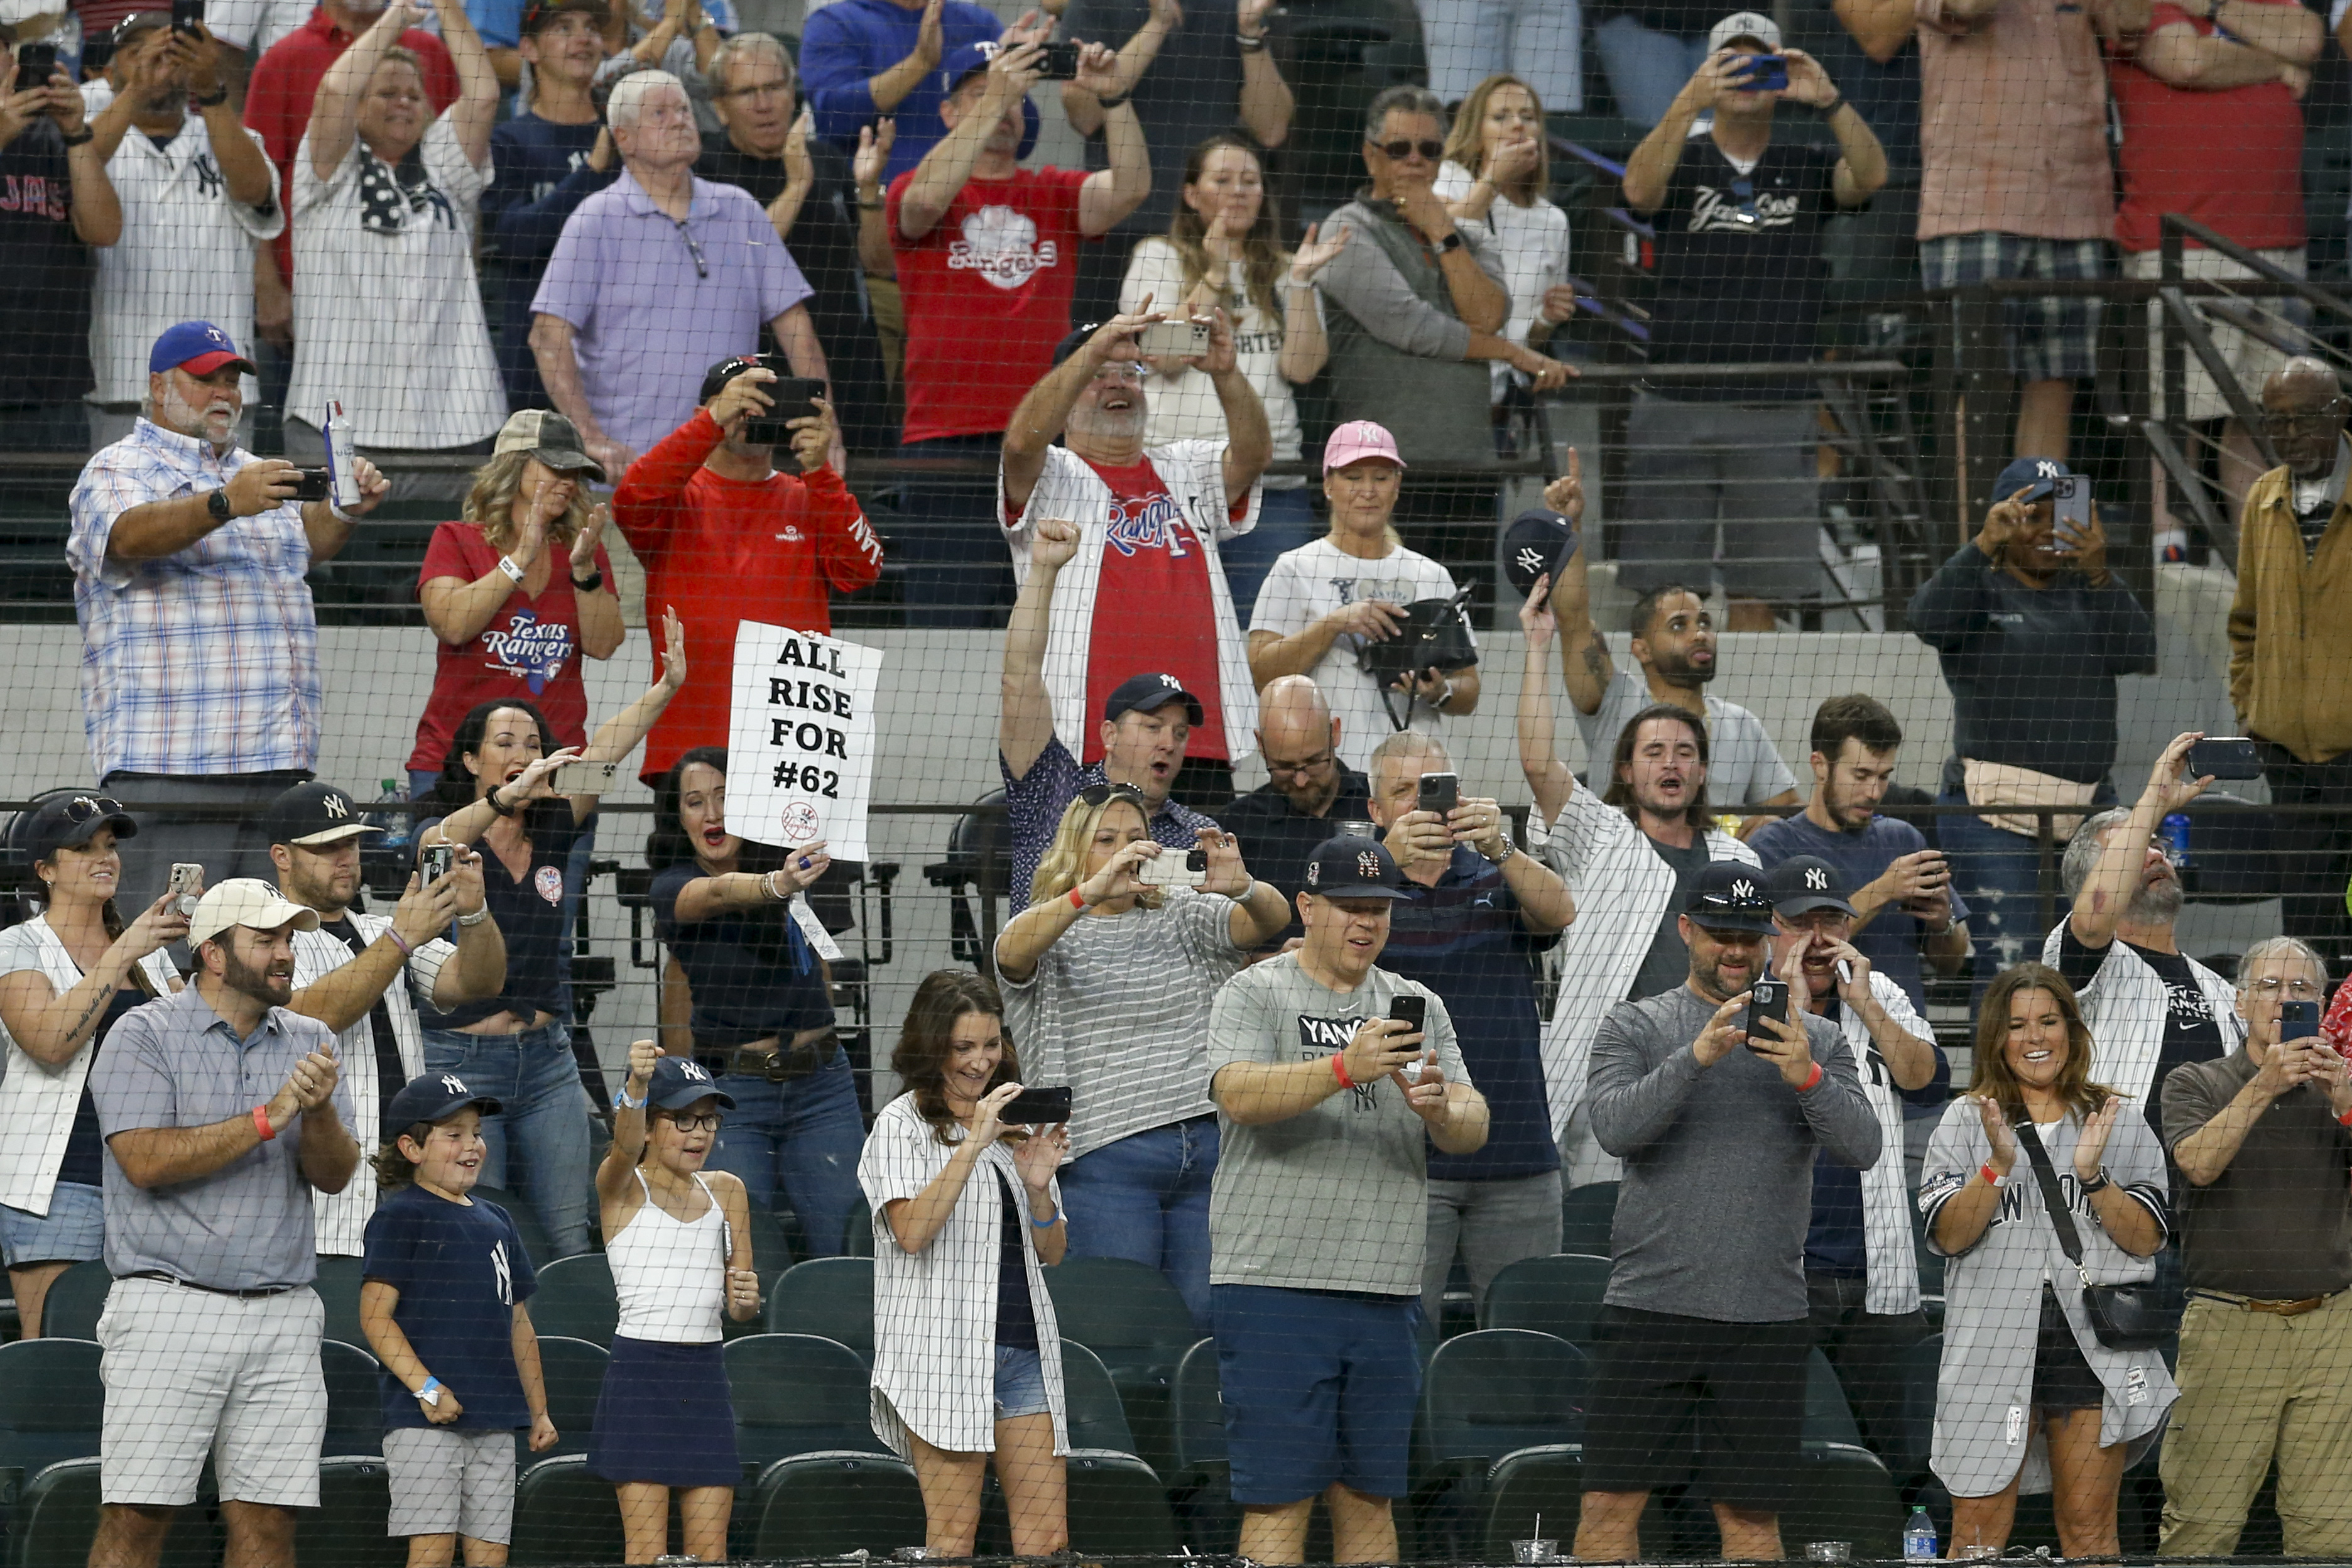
x=73 y=1231
x=1319 y=1387
x=1019 y=1383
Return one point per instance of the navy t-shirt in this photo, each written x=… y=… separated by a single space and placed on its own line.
x=540 y=176
x=750 y=971
x=1016 y=1314
x=459 y=1269
x=45 y=283
x=85 y=1156
x=1835 y=1242
x=1464 y=940
x=530 y=912
x=1890 y=941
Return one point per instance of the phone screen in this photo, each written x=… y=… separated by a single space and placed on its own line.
x=2298 y=1021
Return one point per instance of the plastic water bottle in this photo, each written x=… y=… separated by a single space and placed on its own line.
x=2175 y=835
x=1919 y=1538
x=397 y=825
x=343 y=465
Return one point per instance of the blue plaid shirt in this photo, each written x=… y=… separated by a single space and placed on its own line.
x=1035 y=801
x=203 y=661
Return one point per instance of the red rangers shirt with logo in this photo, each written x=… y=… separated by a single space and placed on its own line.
x=987 y=294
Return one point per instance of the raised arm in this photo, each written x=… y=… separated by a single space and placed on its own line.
x=335 y=112
x=477 y=108
x=1082 y=97
x=1267 y=102
x=2099 y=906
x=49 y=1027
x=1881 y=27
x=1650 y=168
x=1249 y=437
x=1037 y=421
x=615 y=1179
x=1110 y=194
x=1539 y=762
x=1584 y=663
x=619 y=735
x=1026 y=721
x=947 y=166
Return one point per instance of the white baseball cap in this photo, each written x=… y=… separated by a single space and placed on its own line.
x=1744 y=24
x=245 y=901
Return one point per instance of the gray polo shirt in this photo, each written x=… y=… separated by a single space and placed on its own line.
x=174 y=1062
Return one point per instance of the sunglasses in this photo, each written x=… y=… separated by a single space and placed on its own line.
x=707 y=1122
x=86 y=809
x=1402 y=149
x=1095 y=795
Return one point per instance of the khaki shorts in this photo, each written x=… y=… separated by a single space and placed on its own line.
x=446 y=1482
x=192 y=1374
x=2250 y=358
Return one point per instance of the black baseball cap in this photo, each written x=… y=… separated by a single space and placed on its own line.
x=1538 y=543
x=1352 y=868
x=436 y=1097
x=1730 y=897
x=70 y=821
x=1149 y=692
x=314 y=816
x=2032 y=475
x=1804 y=883
x=715 y=379
x=538 y=14
x=679 y=1081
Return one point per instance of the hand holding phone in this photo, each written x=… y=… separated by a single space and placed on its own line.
x=436 y=862
x=1440 y=793
x=187 y=884
x=1174 y=869
x=2225 y=757
x=1768 y=999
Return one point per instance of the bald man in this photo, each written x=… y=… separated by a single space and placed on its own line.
x=2291 y=643
x=1280 y=822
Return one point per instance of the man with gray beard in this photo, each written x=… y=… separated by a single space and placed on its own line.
x=1145 y=590
x=2150 y=1007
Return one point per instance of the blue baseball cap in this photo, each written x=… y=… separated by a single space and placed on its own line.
x=436 y=1097
x=2034 y=476
x=1352 y=868
x=679 y=1081
x=197 y=347
x=962 y=62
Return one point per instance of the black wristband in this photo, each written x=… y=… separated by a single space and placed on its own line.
x=212 y=101
x=1107 y=104
x=1832 y=107
x=490 y=797
x=81 y=138
x=588 y=585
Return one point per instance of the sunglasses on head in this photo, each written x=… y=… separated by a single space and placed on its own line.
x=87 y=807
x=1402 y=149
x=1095 y=795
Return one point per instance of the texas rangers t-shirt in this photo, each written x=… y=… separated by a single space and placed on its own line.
x=1152 y=604
x=987 y=296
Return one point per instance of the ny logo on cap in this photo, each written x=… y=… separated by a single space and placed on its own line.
x=1368 y=864
x=1743 y=889
x=694 y=1071
x=1816 y=880
x=2046 y=470
x=453 y=1084
x=1314 y=872
x=1530 y=559
x=336 y=805
x=1169 y=682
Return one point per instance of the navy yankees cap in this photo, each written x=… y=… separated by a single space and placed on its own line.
x=436 y=1097
x=314 y=816
x=679 y=1081
x=1148 y=693
x=1803 y=883
x=2032 y=475
x=1538 y=543
x=1349 y=867
x=1730 y=896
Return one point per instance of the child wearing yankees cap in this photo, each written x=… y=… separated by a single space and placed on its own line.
x=442 y=1304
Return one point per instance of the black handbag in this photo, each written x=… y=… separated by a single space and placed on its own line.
x=1434 y=634
x=2124 y=1317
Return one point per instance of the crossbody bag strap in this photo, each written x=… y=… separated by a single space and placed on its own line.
x=2045 y=1176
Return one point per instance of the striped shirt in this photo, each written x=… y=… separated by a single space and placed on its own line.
x=203 y=661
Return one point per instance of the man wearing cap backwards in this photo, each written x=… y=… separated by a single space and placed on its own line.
x=1862 y=1276
x=223 y=1111
x=1718 y=1128
x=987 y=256
x=2033 y=631
x=1147 y=723
x=346 y=972
x=197 y=194
x=1740 y=276
x=200 y=646
x=723 y=538
x=1326 y=1107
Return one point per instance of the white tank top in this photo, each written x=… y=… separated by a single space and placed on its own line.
x=670 y=1274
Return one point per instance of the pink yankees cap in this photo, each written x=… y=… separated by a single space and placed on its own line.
x=1359 y=439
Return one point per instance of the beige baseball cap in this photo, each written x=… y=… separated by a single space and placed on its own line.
x=245 y=901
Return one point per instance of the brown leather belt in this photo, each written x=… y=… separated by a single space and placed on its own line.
x=2294 y=1308
x=771 y=1058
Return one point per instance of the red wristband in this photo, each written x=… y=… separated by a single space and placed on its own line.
x=1339 y=1071
x=1991 y=1177
x=2345 y=1120
x=1077 y=900
x=1813 y=1081
x=261 y=1124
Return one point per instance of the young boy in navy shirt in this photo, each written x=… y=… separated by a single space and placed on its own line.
x=443 y=1308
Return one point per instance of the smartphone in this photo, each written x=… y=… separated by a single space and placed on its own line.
x=185 y=15
x=35 y=63
x=1765 y=73
x=313 y=484
x=2225 y=757
x=1440 y=793
x=188 y=882
x=2298 y=1021
x=583 y=777
x=1033 y=1106
x=2070 y=508
x=1171 y=340
x=436 y=862
x=1410 y=1009
x=791 y=395
x=1058 y=62
x=1766 y=999
x=1174 y=869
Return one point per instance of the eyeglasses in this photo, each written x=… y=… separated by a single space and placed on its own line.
x=760 y=88
x=694 y=247
x=707 y=1122
x=1314 y=765
x=1097 y=794
x=1402 y=149
x=2318 y=423
x=2271 y=986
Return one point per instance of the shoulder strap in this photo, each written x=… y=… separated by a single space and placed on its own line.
x=2070 y=1241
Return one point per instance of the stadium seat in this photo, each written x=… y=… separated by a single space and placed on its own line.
x=354 y=1399
x=1118 y=1508
x=564 y=1514
x=835 y=1503
x=347 y=1528
x=56 y=1520
x=857 y=1235
x=75 y=1298
x=1586 y=1215
x=1842 y=1493
x=831 y=1296
x=1829 y=1417
x=338 y=1285
x=1922 y=1367
x=1559 y=1295
x=541 y=1251
x=1091 y=1405
x=771 y=1246
x=1545 y=1484
x=1130 y=1315
x=1200 y=1484
x=1484 y=1396
x=798 y=1394
x=51 y=1402
x=573 y=1371
x=575 y=1299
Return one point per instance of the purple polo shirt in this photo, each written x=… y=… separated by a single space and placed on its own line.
x=654 y=304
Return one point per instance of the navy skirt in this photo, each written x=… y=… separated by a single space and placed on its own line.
x=665 y=1416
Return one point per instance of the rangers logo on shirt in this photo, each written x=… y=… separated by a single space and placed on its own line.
x=1002 y=246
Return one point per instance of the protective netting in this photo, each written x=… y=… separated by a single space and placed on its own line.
x=1338 y=780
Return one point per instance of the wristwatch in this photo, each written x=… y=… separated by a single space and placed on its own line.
x=588 y=585
x=2098 y=1183
x=1451 y=242
x=212 y=100
x=1502 y=831
x=81 y=137
x=477 y=918
x=217 y=505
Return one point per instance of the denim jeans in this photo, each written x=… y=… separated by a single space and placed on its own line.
x=1286 y=521
x=1645 y=67
x=1147 y=1197
x=802 y=1136
x=542 y=1120
x=1470 y=40
x=1999 y=875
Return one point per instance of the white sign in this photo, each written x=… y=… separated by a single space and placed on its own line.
x=800 y=739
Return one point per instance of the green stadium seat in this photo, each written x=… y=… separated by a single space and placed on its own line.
x=1130 y=1315
x=338 y=1285
x=575 y=1299
x=573 y=1371
x=1117 y=1507
x=1586 y=1215
x=857 y=1235
x=75 y=1298
x=1559 y=1295
x=833 y=1504
x=347 y=1528
x=354 y=1400
x=1844 y=1493
x=1092 y=1410
x=1829 y=1418
x=1922 y=1370
x=51 y=1402
x=564 y=1514
x=535 y=1244
x=1483 y=1395
x=798 y=1394
x=1548 y=1484
x=56 y=1520
x=771 y=1246
x=829 y=1296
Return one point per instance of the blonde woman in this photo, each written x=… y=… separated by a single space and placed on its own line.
x=1495 y=172
x=1107 y=981
x=1222 y=248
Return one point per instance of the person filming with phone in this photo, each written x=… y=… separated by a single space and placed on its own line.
x=1107 y=977
x=1333 y=1078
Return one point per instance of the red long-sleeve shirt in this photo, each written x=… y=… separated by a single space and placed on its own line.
x=720 y=551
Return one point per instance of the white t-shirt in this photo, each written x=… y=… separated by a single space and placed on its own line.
x=185 y=255
x=256 y=25
x=1184 y=406
x=1743 y=768
x=1534 y=243
x=391 y=324
x=1309 y=582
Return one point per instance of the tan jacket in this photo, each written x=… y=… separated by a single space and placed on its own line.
x=2291 y=627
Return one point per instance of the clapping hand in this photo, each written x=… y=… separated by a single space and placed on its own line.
x=1998 y=1133
x=584 y=543
x=2090 y=1150
x=1314 y=255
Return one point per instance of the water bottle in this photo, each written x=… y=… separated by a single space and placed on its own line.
x=397 y=825
x=2175 y=835
x=342 y=459
x=1919 y=1538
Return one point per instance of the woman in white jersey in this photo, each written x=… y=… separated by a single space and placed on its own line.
x=679 y=1244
